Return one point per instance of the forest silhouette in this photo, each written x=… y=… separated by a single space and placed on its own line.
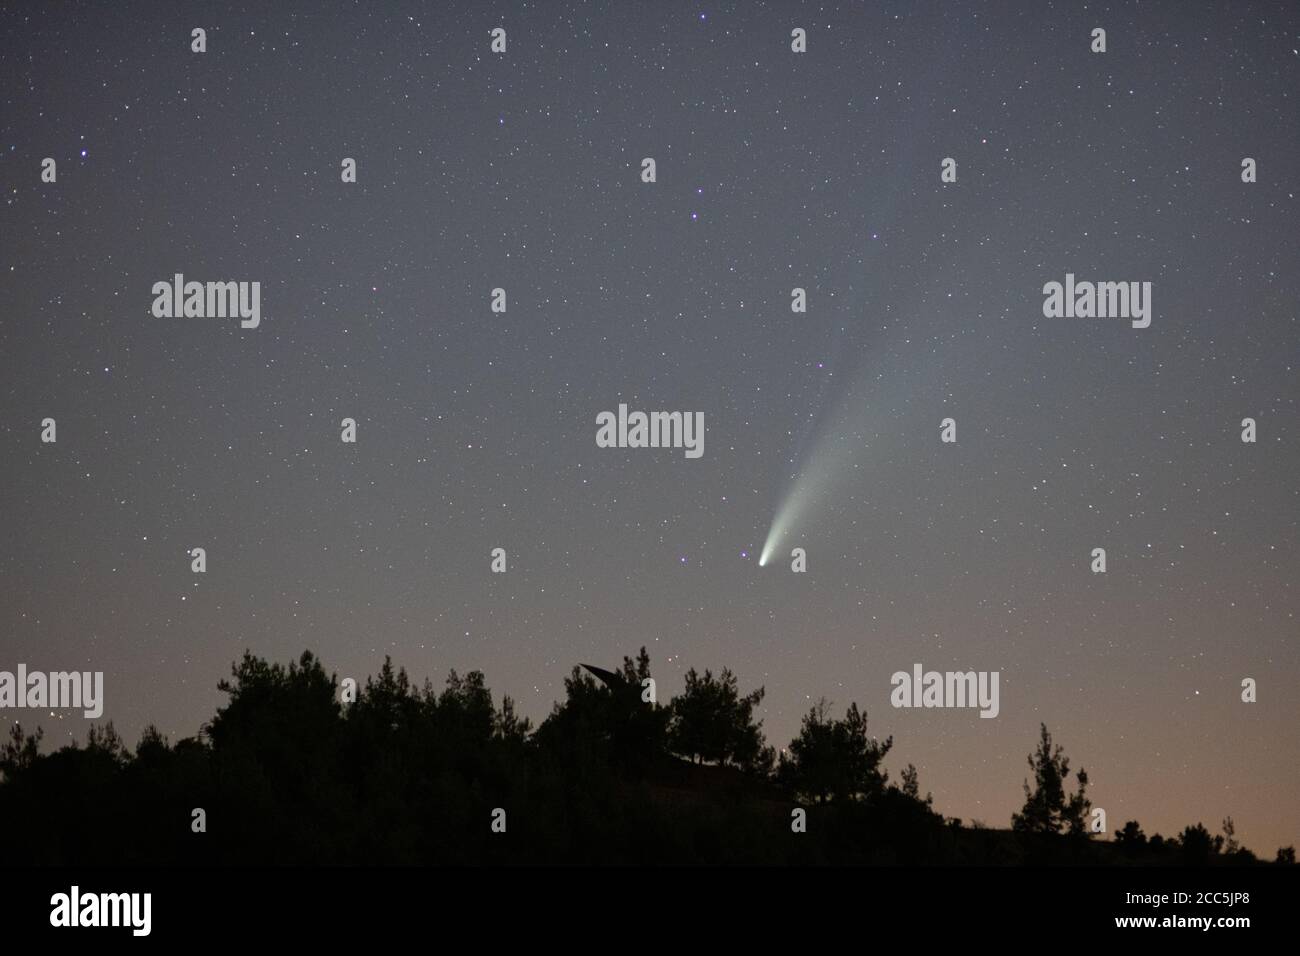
x=287 y=772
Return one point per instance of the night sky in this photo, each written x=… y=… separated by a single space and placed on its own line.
x=476 y=430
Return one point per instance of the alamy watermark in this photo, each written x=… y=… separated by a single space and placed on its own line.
x=1098 y=300
x=651 y=430
x=73 y=909
x=923 y=688
x=53 y=691
x=208 y=300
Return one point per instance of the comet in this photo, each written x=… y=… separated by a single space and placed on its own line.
x=830 y=464
x=837 y=458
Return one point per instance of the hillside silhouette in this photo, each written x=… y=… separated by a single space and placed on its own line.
x=288 y=772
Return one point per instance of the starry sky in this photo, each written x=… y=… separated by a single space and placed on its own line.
x=475 y=430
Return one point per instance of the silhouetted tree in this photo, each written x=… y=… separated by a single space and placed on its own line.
x=465 y=709
x=711 y=721
x=1196 y=845
x=607 y=722
x=275 y=707
x=105 y=742
x=1131 y=838
x=1048 y=809
x=1230 y=844
x=19 y=751
x=640 y=724
x=576 y=733
x=385 y=704
x=1233 y=850
x=834 y=758
x=152 y=750
x=1286 y=855
x=912 y=786
x=511 y=727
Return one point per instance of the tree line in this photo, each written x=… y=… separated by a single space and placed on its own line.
x=287 y=772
